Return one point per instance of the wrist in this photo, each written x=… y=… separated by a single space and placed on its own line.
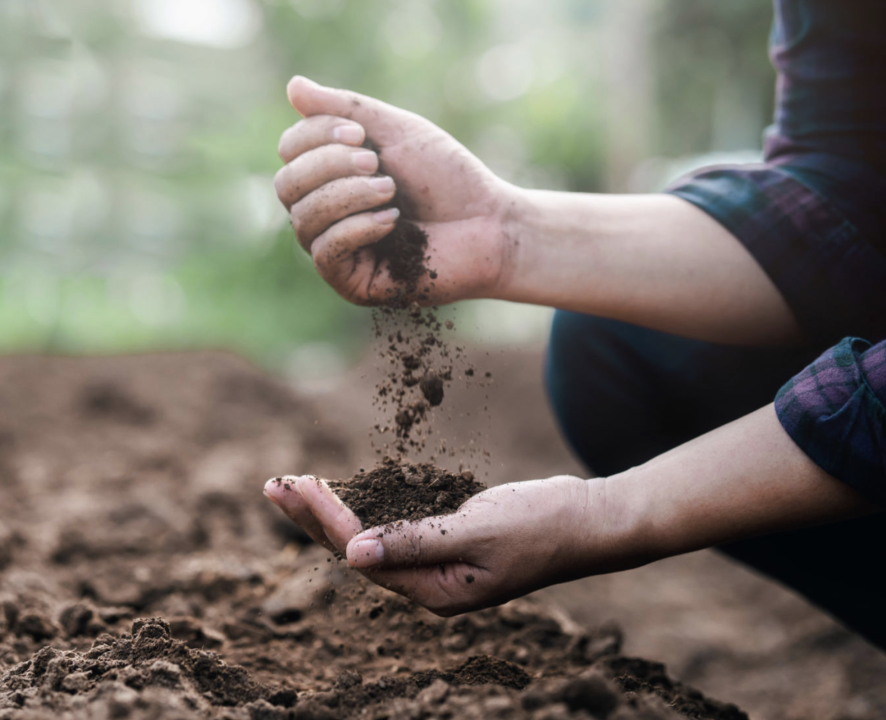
x=617 y=525
x=515 y=209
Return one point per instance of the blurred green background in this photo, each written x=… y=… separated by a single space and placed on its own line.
x=138 y=144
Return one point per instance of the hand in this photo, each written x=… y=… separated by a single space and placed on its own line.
x=333 y=189
x=501 y=544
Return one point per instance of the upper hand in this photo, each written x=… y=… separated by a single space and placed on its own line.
x=333 y=188
x=501 y=544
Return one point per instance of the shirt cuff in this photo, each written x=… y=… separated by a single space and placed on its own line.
x=829 y=275
x=835 y=410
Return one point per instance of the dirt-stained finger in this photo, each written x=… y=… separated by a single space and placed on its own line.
x=384 y=123
x=336 y=200
x=341 y=261
x=316 y=131
x=283 y=492
x=317 y=167
x=433 y=541
x=339 y=523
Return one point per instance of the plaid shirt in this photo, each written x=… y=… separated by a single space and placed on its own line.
x=813 y=215
x=836 y=411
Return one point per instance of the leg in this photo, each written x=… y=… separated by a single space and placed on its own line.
x=623 y=394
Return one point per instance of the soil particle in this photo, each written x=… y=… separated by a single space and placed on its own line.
x=432 y=388
x=397 y=490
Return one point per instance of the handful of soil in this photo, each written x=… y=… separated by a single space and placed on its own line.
x=397 y=490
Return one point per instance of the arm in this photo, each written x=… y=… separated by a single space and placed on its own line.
x=747 y=478
x=657 y=261
x=651 y=260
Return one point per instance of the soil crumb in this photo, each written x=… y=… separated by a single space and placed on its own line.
x=397 y=490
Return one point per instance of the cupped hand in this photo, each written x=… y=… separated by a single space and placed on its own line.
x=501 y=544
x=336 y=189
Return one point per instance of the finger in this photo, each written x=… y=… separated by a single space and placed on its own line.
x=432 y=541
x=316 y=131
x=283 y=492
x=339 y=523
x=338 y=258
x=317 y=167
x=336 y=200
x=379 y=118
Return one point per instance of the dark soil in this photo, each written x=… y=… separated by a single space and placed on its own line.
x=420 y=364
x=145 y=576
x=404 y=251
x=396 y=490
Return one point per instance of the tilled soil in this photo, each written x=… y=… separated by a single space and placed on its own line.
x=145 y=576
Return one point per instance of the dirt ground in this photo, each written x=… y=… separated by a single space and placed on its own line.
x=142 y=573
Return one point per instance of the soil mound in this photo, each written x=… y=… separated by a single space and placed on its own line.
x=146 y=657
x=397 y=490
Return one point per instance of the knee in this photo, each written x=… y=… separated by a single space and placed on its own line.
x=560 y=366
x=598 y=401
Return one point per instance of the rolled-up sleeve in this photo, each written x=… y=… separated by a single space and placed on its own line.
x=835 y=410
x=826 y=267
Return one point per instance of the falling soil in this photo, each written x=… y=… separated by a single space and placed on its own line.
x=144 y=576
x=396 y=490
x=422 y=361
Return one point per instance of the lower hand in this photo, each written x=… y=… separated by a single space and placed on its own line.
x=334 y=188
x=501 y=544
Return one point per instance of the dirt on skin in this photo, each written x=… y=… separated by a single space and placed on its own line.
x=144 y=576
x=396 y=490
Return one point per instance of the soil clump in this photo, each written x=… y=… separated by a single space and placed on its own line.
x=397 y=491
x=404 y=251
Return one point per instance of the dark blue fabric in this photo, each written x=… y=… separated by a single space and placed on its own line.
x=624 y=394
x=835 y=410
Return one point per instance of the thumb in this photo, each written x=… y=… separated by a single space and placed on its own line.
x=432 y=541
x=380 y=120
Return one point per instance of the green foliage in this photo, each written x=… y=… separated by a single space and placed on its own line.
x=136 y=197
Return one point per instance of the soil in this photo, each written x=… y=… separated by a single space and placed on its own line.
x=404 y=250
x=145 y=576
x=415 y=347
x=420 y=364
x=396 y=490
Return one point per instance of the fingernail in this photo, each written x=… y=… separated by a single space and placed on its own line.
x=386 y=217
x=367 y=553
x=366 y=160
x=349 y=134
x=382 y=185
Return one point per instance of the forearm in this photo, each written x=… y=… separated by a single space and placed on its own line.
x=745 y=479
x=651 y=260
